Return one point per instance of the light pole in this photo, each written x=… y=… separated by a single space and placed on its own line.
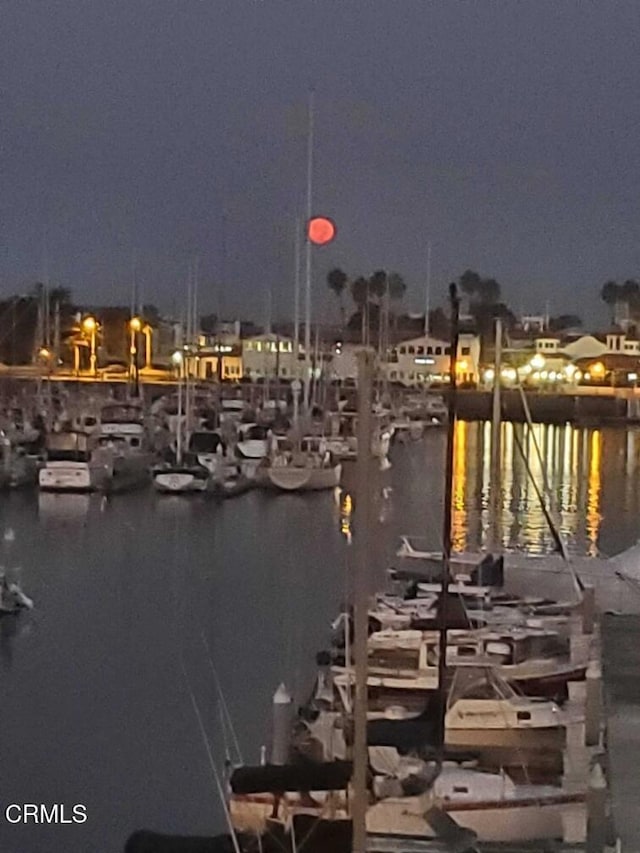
x=135 y=325
x=147 y=332
x=90 y=327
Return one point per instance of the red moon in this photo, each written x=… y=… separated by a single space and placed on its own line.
x=320 y=230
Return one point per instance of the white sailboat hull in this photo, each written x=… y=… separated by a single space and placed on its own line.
x=291 y=478
x=174 y=482
x=500 y=821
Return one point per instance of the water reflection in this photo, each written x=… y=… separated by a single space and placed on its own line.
x=573 y=467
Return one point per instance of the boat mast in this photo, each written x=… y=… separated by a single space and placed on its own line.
x=361 y=600
x=446 y=521
x=496 y=422
x=427 y=293
x=307 y=291
x=179 y=429
x=296 y=325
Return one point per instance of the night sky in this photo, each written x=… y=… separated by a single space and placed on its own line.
x=148 y=132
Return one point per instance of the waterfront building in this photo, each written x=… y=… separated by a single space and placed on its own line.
x=425 y=360
x=270 y=355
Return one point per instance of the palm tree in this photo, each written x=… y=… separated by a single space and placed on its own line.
x=610 y=294
x=489 y=291
x=337 y=283
x=360 y=295
x=378 y=287
x=470 y=283
x=397 y=287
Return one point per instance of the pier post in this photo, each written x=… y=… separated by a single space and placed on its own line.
x=282 y=719
x=361 y=600
x=588 y=609
x=593 y=704
x=596 y=811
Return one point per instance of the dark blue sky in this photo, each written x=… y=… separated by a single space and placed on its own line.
x=507 y=133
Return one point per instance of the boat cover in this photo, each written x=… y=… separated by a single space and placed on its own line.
x=152 y=842
x=305 y=776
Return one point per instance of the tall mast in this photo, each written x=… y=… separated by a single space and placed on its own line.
x=307 y=291
x=361 y=602
x=427 y=293
x=446 y=519
x=296 y=322
x=496 y=422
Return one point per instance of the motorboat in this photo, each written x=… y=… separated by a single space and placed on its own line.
x=124 y=447
x=70 y=466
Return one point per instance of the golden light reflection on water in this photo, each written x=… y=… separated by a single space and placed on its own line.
x=459 y=509
x=566 y=463
x=593 y=496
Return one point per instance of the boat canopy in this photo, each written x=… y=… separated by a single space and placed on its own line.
x=305 y=776
x=205 y=442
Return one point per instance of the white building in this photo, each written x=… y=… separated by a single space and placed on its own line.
x=270 y=355
x=424 y=360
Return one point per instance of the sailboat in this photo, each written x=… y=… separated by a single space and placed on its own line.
x=182 y=472
x=307 y=467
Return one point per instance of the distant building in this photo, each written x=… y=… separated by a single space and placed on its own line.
x=269 y=355
x=424 y=360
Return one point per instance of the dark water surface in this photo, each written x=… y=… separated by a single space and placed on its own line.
x=95 y=707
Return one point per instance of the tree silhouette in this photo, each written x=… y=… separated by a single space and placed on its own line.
x=397 y=287
x=337 y=283
x=610 y=295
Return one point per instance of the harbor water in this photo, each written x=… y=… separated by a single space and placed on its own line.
x=159 y=618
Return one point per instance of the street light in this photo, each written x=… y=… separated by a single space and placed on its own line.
x=147 y=331
x=135 y=325
x=90 y=327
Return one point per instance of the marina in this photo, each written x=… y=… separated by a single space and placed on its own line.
x=184 y=593
x=319 y=428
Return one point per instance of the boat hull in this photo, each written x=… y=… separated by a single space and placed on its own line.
x=78 y=477
x=290 y=478
x=500 y=821
x=179 y=483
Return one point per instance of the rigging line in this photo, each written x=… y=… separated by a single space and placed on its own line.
x=227 y=755
x=545 y=480
x=527 y=414
x=223 y=704
x=579 y=584
x=216 y=776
